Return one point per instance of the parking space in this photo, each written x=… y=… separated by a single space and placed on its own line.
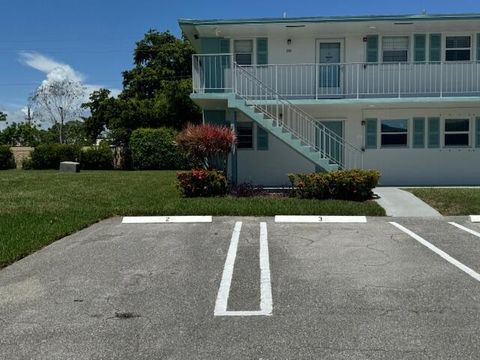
x=247 y=288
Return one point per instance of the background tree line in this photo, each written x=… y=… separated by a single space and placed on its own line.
x=155 y=94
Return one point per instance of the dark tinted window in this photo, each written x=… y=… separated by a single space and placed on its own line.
x=245 y=135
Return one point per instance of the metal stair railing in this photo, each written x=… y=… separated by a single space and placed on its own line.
x=294 y=120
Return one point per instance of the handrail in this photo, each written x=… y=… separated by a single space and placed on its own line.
x=327 y=135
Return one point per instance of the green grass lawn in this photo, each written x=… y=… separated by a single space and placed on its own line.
x=451 y=201
x=39 y=207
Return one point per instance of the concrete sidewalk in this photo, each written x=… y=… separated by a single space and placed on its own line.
x=397 y=202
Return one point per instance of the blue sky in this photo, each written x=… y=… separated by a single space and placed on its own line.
x=92 y=40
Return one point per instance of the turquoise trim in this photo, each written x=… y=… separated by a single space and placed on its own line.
x=435 y=54
x=352 y=102
x=418 y=132
x=262 y=138
x=262 y=51
x=434 y=132
x=371 y=133
x=477 y=132
x=420 y=48
x=323 y=19
x=372 y=48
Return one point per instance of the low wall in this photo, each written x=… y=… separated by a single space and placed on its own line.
x=20 y=153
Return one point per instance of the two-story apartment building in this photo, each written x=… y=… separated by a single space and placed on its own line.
x=397 y=93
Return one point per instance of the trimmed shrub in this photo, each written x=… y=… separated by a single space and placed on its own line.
x=202 y=182
x=7 y=161
x=97 y=158
x=50 y=156
x=155 y=149
x=310 y=186
x=353 y=185
x=207 y=146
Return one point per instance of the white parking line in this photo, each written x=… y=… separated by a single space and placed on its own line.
x=465 y=229
x=319 y=219
x=475 y=218
x=165 y=219
x=266 y=304
x=439 y=252
x=224 y=290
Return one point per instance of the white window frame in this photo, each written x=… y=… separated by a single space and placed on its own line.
x=252 y=54
x=468 y=133
x=445 y=49
x=408 y=48
x=406 y=133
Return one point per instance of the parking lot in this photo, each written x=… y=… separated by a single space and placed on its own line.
x=248 y=288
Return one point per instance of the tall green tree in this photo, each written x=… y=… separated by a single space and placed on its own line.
x=100 y=105
x=156 y=91
x=3 y=116
x=161 y=60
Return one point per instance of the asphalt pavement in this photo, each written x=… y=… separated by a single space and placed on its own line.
x=316 y=291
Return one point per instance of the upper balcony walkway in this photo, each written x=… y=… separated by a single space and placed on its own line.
x=213 y=74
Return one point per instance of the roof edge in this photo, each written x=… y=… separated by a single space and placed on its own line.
x=326 y=19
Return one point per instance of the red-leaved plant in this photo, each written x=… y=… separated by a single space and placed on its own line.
x=207 y=146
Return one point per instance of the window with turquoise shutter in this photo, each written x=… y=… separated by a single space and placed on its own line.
x=262 y=51
x=435 y=47
x=418 y=132
x=262 y=138
x=433 y=132
x=372 y=48
x=371 y=134
x=420 y=45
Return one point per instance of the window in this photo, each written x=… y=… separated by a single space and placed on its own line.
x=457 y=132
x=243 y=51
x=262 y=138
x=458 y=48
x=394 y=132
x=395 y=48
x=245 y=135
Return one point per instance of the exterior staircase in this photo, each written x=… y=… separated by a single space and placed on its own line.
x=290 y=124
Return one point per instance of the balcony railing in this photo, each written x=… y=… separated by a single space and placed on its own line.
x=213 y=73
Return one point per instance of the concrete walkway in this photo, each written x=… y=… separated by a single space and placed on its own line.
x=397 y=202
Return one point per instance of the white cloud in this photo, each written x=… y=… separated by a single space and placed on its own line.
x=54 y=71
x=57 y=71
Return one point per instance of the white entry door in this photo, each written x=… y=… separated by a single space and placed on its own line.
x=330 y=68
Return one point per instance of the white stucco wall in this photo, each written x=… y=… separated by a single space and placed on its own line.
x=399 y=166
x=408 y=165
x=269 y=167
